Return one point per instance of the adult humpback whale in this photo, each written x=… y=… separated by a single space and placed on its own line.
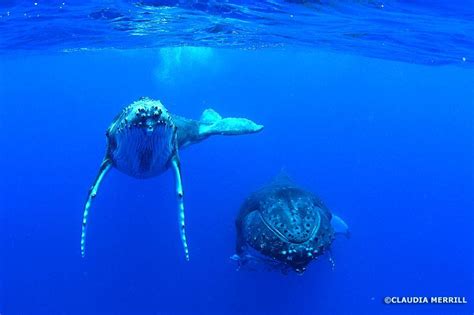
x=144 y=139
x=284 y=226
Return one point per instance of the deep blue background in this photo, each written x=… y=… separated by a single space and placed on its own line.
x=387 y=145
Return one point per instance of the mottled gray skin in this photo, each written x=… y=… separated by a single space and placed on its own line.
x=285 y=224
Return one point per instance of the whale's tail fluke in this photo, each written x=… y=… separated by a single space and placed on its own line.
x=211 y=123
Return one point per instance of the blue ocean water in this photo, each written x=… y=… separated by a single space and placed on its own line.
x=378 y=123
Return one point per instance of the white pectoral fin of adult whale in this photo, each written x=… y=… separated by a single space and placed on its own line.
x=339 y=226
x=211 y=123
x=103 y=170
x=180 y=196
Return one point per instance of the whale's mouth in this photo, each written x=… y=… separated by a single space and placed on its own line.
x=290 y=215
x=293 y=233
x=279 y=234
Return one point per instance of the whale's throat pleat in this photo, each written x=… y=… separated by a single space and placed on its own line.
x=146 y=158
x=142 y=152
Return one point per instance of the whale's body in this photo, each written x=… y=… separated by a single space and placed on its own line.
x=285 y=225
x=144 y=139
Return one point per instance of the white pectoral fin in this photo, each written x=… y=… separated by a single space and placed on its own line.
x=211 y=123
x=179 y=193
x=339 y=226
x=103 y=170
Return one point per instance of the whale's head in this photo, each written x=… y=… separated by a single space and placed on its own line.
x=142 y=139
x=286 y=224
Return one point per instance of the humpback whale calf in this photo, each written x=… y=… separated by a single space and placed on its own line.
x=284 y=227
x=144 y=139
